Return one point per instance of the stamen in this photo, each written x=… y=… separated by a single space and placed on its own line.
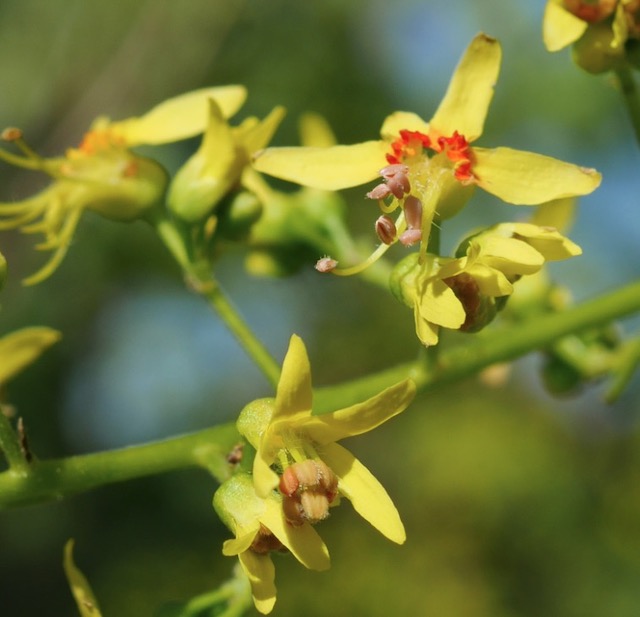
x=386 y=229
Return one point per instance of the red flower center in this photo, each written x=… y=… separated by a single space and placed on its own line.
x=456 y=148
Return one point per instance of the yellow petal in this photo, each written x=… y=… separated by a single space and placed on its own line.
x=439 y=305
x=426 y=332
x=260 y=135
x=80 y=588
x=242 y=543
x=262 y=575
x=491 y=282
x=179 y=117
x=330 y=169
x=547 y=241
x=526 y=179
x=367 y=495
x=359 y=418
x=22 y=347
x=264 y=478
x=315 y=131
x=401 y=120
x=510 y=256
x=294 y=391
x=303 y=541
x=558 y=213
x=560 y=27
x=465 y=105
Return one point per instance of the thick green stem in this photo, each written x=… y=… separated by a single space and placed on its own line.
x=631 y=97
x=498 y=345
x=59 y=478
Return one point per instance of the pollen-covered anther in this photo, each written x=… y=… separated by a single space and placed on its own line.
x=413 y=212
x=308 y=488
x=381 y=191
x=326 y=264
x=386 y=229
x=411 y=237
x=11 y=133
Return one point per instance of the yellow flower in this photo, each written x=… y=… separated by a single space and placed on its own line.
x=302 y=447
x=102 y=174
x=461 y=293
x=260 y=527
x=442 y=182
x=218 y=165
x=599 y=30
x=22 y=347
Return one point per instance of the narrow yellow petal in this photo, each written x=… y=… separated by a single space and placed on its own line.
x=264 y=478
x=361 y=417
x=526 y=179
x=262 y=575
x=401 y=120
x=260 y=135
x=294 y=391
x=303 y=541
x=560 y=27
x=22 y=347
x=238 y=545
x=367 y=495
x=330 y=169
x=179 y=117
x=466 y=102
x=80 y=588
x=426 y=332
x=558 y=213
x=551 y=244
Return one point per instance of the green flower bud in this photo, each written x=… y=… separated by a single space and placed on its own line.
x=237 y=217
x=404 y=279
x=596 y=50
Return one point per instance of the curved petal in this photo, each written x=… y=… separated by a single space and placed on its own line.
x=179 y=117
x=560 y=27
x=439 y=305
x=264 y=478
x=426 y=332
x=262 y=575
x=359 y=418
x=258 y=136
x=551 y=244
x=466 y=102
x=526 y=179
x=329 y=169
x=367 y=495
x=303 y=541
x=491 y=282
x=402 y=120
x=315 y=131
x=22 y=347
x=294 y=391
x=242 y=543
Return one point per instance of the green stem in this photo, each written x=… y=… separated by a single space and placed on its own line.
x=631 y=97
x=498 y=345
x=10 y=446
x=199 y=276
x=58 y=478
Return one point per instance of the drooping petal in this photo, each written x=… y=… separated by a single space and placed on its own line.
x=361 y=417
x=439 y=305
x=427 y=332
x=179 y=117
x=238 y=545
x=294 y=391
x=560 y=27
x=262 y=575
x=466 y=102
x=329 y=169
x=303 y=541
x=526 y=179
x=402 y=120
x=367 y=495
x=20 y=348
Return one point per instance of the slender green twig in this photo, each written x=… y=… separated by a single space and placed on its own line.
x=200 y=278
x=631 y=96
x=58 y=478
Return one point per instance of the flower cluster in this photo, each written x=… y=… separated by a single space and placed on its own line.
x=299 y=472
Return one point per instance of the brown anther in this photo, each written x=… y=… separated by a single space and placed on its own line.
x=413 y=212
x=381 y=191
x=391 y=171
x=326 y=264
x=411 y=237
x=11 y=134
x=386 y=229
x=235 y=455
x=265 y=542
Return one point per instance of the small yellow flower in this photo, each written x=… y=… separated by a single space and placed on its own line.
x=218 y=165
x=286 y=435
x=102 y=174
x=22 y=347
x=598 y=29
x=432 y=164
x=460 y=293
x=260 y=527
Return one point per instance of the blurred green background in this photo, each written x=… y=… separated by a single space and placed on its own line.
x=516 y=504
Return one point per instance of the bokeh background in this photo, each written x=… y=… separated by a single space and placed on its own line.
x=516 y=503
